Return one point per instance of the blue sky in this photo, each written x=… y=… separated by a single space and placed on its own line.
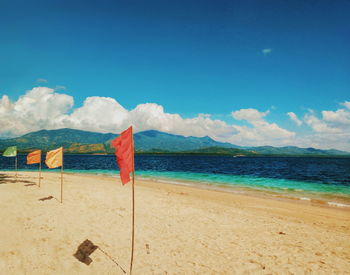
x=190 y=57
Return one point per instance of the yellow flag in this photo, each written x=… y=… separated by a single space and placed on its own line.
x=54 y=158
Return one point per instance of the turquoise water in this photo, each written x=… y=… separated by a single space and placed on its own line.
x=249 y=181
x=299 y=189
x=303 y=178
x=224 y=180
x=336 y=195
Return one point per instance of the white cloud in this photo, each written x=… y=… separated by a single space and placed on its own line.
x=341 y=116
x=60 y=88
x=39 y=108
x=293 y=117
x=99 y=114
x=331 y=122
x=44 y=108
x=253 y=116
x=152 y=116
x=266 y=51
x=332 y=130
x=262 y=132
x=346 y=104
x=41 y=80
x=318 y=125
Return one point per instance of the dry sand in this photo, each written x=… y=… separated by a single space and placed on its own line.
x=179 y=229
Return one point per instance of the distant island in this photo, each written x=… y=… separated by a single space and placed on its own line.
x=150 y=142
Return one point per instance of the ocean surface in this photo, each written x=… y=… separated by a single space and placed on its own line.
x=304 y=178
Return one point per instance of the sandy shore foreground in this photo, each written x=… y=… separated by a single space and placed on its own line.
x=179 y=230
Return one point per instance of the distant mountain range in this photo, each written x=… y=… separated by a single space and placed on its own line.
x=293 y=150
x=84 y=142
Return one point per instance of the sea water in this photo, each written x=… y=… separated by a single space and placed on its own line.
x=305 y=178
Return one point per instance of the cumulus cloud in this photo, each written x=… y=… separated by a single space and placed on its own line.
x=100 y=114
x=346 y=104
x=318 y=125
x=331 y=122
x=45 y=108
x=266 y=51
x=253 y=116
x=39 y=108
x=330 y=130
x=293 y=117
x=262 y=132
x=341 y=116
x=152 y=116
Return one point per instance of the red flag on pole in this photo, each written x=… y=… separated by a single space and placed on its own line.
x=124 y=151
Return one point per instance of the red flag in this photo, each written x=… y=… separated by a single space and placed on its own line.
x=124 y=151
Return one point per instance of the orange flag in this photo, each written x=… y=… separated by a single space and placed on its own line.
x=124 y=151
x=54 y=158
x=34 y=157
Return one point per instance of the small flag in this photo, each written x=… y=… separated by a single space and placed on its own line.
x=34 y=157
x=54 y=158
x=10 y=152
x=125 y=154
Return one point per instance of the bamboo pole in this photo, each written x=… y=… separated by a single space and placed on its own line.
x=133 y=206
x=40 y=171
x=16 y=166
x=62 y=178
x=133 y=222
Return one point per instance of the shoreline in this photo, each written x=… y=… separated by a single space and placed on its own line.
x=316 y=199
x=247 y=192
x=179 y=229
x=202 y=154
x=341 y=201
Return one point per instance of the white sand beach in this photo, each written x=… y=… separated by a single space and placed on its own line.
x=179 y=229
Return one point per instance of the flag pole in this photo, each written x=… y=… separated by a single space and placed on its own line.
x=16 y=165
x=62 y=178
x=40 y=171
x=133 y=204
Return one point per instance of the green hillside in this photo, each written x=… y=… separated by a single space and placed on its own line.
x=296 y=151
x=50 y=139
x=84 y=142
x=154 y=140
x=77 y=141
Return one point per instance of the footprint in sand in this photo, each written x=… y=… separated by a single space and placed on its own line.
x=147 y=248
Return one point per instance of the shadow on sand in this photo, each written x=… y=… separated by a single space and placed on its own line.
x=30 y=184
x=46 y=198
x=5 y=179
x=86 y=248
